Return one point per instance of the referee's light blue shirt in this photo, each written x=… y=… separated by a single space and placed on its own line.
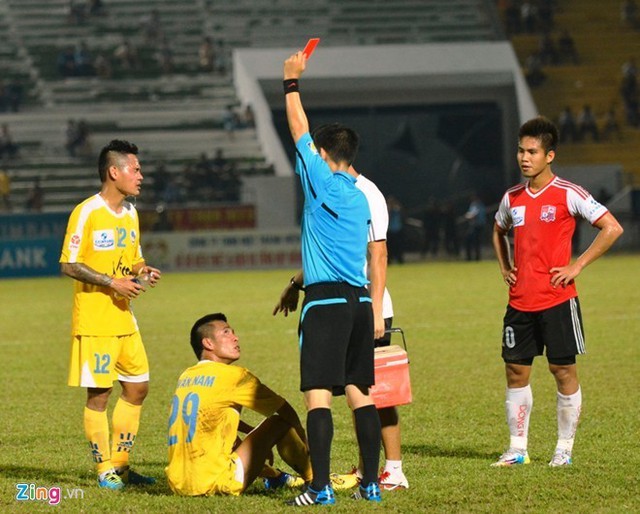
x=335 y=221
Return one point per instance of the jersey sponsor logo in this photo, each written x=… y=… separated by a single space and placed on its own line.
x=74 y=242
x=312 y=147
x=517 y=215
x=548 y=213
x=103 y=240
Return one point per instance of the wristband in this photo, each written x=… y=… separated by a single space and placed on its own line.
x=295 y=284
x=290 y=86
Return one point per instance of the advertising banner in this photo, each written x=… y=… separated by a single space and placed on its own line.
x=30 y=257
x=216 y=250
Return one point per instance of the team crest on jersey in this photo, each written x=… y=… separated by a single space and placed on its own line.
x=517 y=215
x=133 y=236
x=548 y=213
x=312 y=147
x=103 y=240
x=74 y=242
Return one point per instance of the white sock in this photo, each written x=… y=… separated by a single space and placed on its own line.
x=518 y=407
x=393 y=467
x=568 y=409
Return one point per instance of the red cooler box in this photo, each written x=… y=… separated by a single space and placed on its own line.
x=393 y=386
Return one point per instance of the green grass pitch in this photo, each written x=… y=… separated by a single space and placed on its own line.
x=451 y=314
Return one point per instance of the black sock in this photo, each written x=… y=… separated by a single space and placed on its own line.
x=320 y=434
x=368 y=434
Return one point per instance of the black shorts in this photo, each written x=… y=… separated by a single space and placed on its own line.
x=526 y=334
x=385 y=340
x=336 y=337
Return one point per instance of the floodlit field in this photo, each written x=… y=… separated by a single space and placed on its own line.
x=451 y=314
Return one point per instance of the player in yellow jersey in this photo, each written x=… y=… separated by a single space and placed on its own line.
x=205 y=455
x=101 y=251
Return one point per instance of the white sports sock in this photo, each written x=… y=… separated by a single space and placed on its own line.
x=568 y=409
x=518 y=407
x=393 y=467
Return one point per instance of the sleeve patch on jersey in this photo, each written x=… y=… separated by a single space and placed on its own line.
x=517 y=215
x=74 y=242
x=594 y=206
x=548 y=213
x=312 y=147
x=103 y=240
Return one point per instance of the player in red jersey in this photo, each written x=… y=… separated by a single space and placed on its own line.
x=543 y=310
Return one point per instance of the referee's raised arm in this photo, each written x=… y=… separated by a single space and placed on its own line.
x=294 y=66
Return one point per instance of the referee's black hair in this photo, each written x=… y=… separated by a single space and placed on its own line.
x=543 y=129
x=198 y=331
x=117 y=147
x=338 y=140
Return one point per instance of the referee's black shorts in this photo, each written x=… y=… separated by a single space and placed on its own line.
x=336 y=337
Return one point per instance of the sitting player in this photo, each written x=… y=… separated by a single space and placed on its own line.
x=205 y=455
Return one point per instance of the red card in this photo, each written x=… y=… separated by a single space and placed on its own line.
x=311 y=46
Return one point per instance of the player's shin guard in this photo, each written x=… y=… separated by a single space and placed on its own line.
x=568 y=409
x=295 y=453
x=96 y=429
x=518 y=404
x=320 y=434
x=126 y=420
x=368 y=434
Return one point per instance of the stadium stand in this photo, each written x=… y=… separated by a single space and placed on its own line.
x=176 y=114
x=603 y=45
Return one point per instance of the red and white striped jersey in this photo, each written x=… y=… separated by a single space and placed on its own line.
x=543 y=224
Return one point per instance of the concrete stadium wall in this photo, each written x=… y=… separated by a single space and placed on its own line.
x=437 y=73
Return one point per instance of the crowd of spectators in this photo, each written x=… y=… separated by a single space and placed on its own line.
x=237 y=117
x=8 y=147
x=127 y=58
x=556 y=47
x=77 y=141
x=529 y=17
x=212 y=56
x=537 y=17
x=11 y=93
x=35 y=197
x=629 y=92
x=78 y=12
x=34 y=201
x=629 y=14
x=551 y=51
x=204 y=180
x=576 y=128
x=76 y=61
x=5 y=191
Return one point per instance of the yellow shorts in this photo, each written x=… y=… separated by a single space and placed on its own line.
x=99 y=361
x=231 y=481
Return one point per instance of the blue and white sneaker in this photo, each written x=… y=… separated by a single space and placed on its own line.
x=325 y=496
x=370 y=493
x=283 y=480
x=561 y=458
x=512 y=457
x=110 y=480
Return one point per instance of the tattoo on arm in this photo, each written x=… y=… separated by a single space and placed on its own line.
x=84 y=273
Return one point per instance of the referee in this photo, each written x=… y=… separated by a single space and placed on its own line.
x=336 y=321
